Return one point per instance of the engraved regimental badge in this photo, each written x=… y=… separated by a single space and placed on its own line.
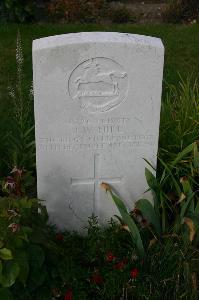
x=99 y=84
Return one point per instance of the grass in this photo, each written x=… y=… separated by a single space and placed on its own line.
x=181 y=44
x=179 y=124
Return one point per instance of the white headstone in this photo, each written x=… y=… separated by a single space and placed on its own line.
x=97 y=108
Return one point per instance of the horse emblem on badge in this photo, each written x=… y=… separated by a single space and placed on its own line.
x=99 y=84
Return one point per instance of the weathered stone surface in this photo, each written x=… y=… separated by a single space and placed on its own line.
x=97 y=107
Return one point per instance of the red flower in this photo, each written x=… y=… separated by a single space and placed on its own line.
x=96 y=278
x=134 y=273
x=68 y=295
x=110 y=257
x=59 y=237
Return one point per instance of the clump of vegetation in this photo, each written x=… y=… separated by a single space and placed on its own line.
x=120 y=14
x=179 y=124
x=39 y=262
x=18 y=10
x=19 y=141
x=166 y=233
x=178 y=11
x=151 y=252
x=76 y=10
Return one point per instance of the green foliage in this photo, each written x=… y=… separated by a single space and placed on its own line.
x=43 y=264
x=148 y=213
x=5 y=254
x=76 y=10
x=19 y=141
x=120 y=14
x=160 y=260
x=179 y=125
x=178 y=11
x=15 y=238
x=133 y=229
x=18 y=10
x=169 y=226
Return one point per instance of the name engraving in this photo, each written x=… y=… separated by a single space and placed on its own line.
x=96 y=134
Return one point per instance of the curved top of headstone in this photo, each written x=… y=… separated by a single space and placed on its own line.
x=96 y=37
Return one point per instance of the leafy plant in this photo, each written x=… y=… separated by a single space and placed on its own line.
x=178 y=11
x=176 y=200
x=179 y=118
x=173 y=218
x=18 y=10
x=20 y=143
x=159 y=261
x=16 y=242
x=120 y=14
x=76 y=10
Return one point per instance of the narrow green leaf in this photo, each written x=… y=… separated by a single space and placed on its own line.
x=187 y=150
x=154 y=186
x=134 y=231
x=196 y=156
x=152 y=167
x=178 y=189
x=186 y=185
x=197 y=206
x=151 y=179
x=195 y=218
x=30 y=144
x=149 y=214
x=29 y=131
x=186 y=204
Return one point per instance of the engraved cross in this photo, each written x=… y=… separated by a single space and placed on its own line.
x=96 y=180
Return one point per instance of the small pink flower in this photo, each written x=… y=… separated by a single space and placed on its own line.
x=14 y=227
x=10 y=183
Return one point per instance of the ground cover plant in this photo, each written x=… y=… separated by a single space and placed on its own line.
x=179 y=11
x=150 y=252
